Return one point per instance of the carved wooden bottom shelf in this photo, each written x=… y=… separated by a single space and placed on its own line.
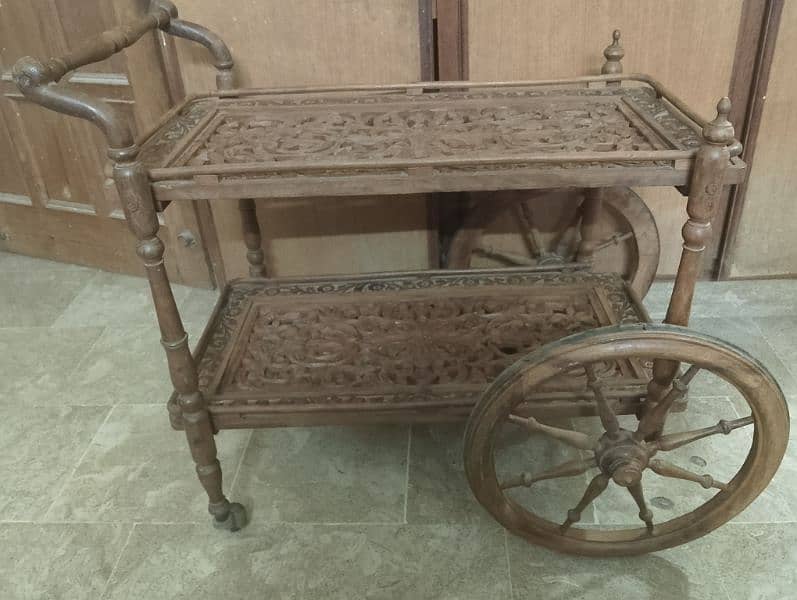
x=401 y=347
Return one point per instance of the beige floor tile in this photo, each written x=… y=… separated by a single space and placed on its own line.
x=326 y=474
x=439 y=492
x=198 y=305
x=113 y=300
x=744 y=333
x=138 y=470
x=39 y=449
x=731 y=298
x=753 y=561
x=37 y=363
x=780 y=333
x=676 y=574
x=313 y=562
x=18 y=262
x=37 y=298
x=124 y=365
x=58 y=561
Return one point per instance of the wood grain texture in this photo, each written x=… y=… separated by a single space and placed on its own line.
x=315 y=42
x=687 y=45
x=405 y=346
x=56 y=198
x=765 y=243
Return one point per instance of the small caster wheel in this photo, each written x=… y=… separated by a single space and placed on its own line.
x=235 y=520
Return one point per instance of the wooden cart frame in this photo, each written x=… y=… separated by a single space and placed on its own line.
x=423 y=346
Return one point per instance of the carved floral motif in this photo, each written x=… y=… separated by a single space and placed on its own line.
x=157 y=148
x=344 y=345
x=368 y=126
x=418 y=132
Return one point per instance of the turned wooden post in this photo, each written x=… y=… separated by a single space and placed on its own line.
x=614 y=53
x=590 y=212
x=252 y=237
x=38 y=83
x=593 y=197
x=705 y=190
x=139 y=208
x=225 y=80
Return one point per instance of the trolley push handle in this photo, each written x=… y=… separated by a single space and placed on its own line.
x=38 y=80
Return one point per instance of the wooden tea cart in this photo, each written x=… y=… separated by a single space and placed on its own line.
x=562 y=336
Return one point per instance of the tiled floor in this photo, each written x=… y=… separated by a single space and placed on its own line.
x=98 y=497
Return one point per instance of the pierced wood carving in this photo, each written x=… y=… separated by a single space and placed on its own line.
x=434 y=125
x=156 y=149
x=406 y=347
x=395 y=339
x=419 y=132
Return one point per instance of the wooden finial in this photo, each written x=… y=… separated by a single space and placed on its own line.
x=720 y=131
x=614 y=53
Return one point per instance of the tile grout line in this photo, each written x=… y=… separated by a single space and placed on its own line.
x=77 y=367
x=94 y=276
x=775 y=353
x=107 y=585
x=508 y=565
x=234 y=481
x=330 y=523
x=77 y=465
x=407 y=474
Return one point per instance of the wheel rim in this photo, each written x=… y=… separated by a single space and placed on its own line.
x=626 y=218
x=768 y=413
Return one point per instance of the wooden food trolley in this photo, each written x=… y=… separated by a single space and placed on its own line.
x=562 y=336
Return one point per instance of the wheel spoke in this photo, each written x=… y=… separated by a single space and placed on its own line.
x=613 y=240
x=676 y=440
x=531 y=236
x=605 y=412
x=576 y=439
x=566 y=228
x=594 y=489
x=644 y=512
x=567 y=469
x=653 y=420
x=666 y=469
x=510 y=257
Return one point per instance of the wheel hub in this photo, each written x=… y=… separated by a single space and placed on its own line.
x=622 y=458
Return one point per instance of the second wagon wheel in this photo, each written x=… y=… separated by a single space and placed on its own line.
x=543 y=228
x=613 y=484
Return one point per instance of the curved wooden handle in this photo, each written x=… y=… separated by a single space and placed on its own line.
x=36 y=80
x=106 y=44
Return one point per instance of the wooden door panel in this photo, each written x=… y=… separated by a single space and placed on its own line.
x=689 y=46
x=56 y=200
x=12 y=169
x=317 y=42
x=765 y=244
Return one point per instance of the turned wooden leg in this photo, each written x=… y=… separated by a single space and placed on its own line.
x=590 y=213
x=705 y=190
x=133 y=185
x=252 y=238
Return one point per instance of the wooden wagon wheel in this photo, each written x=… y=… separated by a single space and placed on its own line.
x=617 y=455
x=543 y=228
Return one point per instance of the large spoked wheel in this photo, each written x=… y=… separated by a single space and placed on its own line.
x=619 y=460
x=539 y=228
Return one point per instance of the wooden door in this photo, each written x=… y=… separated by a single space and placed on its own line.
x=56 y=199
x=319 y=42
x=764 y=244
x=689 y=46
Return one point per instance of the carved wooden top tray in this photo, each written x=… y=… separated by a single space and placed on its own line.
x=403 y=139
x=412 y=342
